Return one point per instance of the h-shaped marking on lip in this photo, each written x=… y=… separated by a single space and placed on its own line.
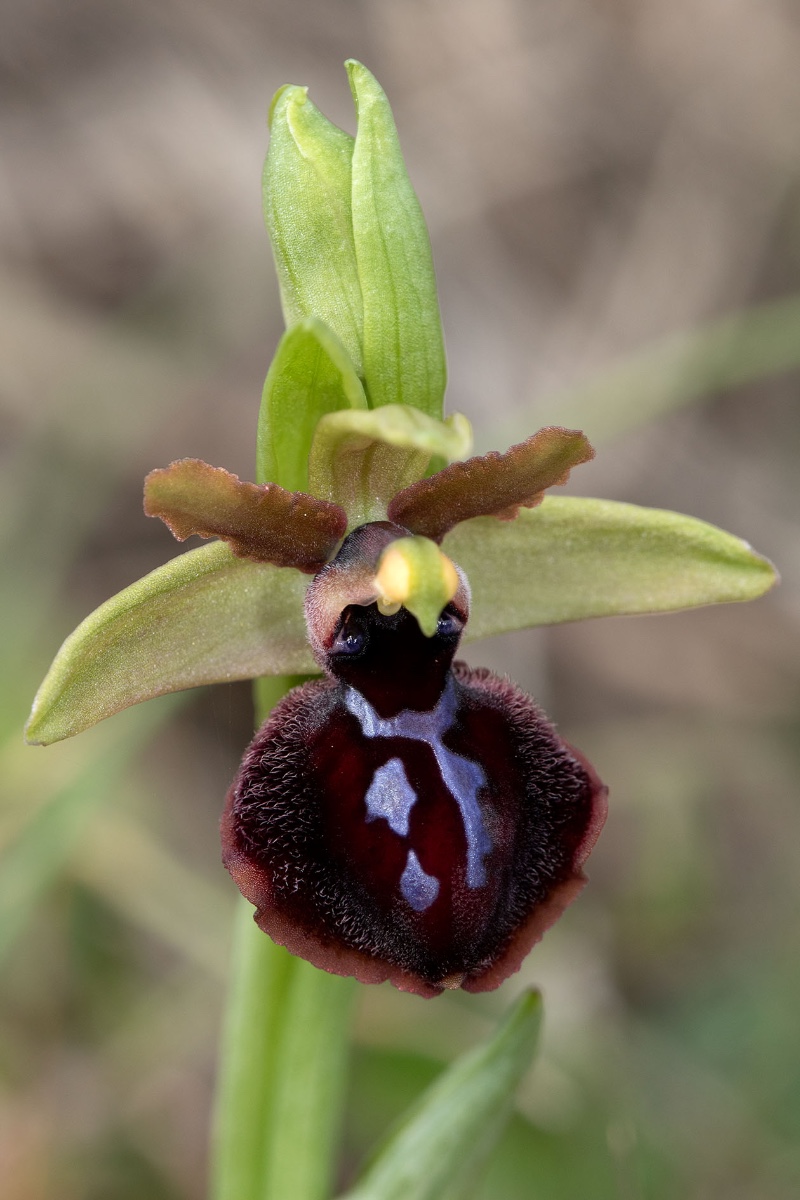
x=391 y=796
x=418 y=887
x=462 y=777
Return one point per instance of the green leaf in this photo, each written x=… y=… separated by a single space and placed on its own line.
x=444 y=1139
x=310 y=375
x=361 y=459
x=204 y=617
x=404 y=361
x=307 y=208
x=572 y=558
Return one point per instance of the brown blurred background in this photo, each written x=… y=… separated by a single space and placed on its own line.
x=597 y=175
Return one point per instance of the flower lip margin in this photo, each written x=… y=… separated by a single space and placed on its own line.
x=293 y=723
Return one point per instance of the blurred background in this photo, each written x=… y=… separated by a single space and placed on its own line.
x=603 y=180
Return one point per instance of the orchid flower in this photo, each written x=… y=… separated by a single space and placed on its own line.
x=402 y=817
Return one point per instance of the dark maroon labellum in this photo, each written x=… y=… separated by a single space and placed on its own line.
x=407 y=818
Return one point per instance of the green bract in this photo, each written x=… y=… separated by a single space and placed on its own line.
x=350 y=243
x=310 y=375
x=308 y=211
x=404 y=359
x=351 y=416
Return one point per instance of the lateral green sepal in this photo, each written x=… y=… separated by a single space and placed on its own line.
x=572 y=558
x=204 y=617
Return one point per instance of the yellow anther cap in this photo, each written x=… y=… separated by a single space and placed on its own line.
x=414 y=572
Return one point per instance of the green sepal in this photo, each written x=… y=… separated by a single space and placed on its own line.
x=307 y=209
x=404 y=360
x=572 y=558
x=441 y=1143
x=310 y=375
x=204 y=617
x=361 y=459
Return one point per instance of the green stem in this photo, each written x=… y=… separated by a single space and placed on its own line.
x=310 y=1082
x=260 y=975
x=283 y=1062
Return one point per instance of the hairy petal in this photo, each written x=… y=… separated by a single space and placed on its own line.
x=373 y=847
x=494 y=485
x=263 y=522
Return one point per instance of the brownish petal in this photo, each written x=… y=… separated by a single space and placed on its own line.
x=325 y=953
x=495 y=485
x=263 y=522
